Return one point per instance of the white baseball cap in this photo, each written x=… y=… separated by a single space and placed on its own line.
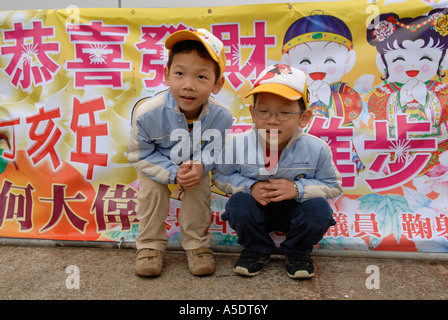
x=282 y=80
x=214 y=46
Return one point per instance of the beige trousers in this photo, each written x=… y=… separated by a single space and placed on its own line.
x=153 y=208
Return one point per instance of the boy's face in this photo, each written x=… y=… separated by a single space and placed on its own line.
x=192 y=79
x=285 y=129
x=322 y=60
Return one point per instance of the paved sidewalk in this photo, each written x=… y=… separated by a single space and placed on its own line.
x=39 y=272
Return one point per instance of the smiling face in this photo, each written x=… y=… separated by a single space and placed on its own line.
x=322 y=60
x=413 y=61
x=192 y=79
x=278 y=133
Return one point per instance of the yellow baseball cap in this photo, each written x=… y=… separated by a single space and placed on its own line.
x=282 y=80
x=214 y=46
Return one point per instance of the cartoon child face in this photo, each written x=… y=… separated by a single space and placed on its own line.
x=322 y=60
x=413 y=61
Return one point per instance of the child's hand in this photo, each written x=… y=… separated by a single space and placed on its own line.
x=320 y=91
x=412 y=90
x=190 y=174
x=258 y=190
x=280 y=189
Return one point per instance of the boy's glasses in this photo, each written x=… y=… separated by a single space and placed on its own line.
x=281 y=116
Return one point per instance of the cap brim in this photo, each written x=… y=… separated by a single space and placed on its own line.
x=180 y=36
x=183 y=35
x=278 y=89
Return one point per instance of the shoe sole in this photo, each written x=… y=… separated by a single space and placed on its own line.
x=302 y=274
x=245 y=272
x=148 y=273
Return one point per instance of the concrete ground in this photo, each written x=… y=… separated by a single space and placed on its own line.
x=89 y=273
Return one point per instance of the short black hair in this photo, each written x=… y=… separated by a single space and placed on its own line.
x=300 y=102
x=188 y=46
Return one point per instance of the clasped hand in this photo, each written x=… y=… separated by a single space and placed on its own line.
x=189 y=174
x=273 y=191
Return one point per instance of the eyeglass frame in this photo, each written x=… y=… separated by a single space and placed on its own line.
x=276 y=114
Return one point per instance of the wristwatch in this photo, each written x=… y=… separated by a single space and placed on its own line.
x=297 y=189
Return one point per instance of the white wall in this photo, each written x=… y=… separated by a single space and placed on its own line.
x=60 y=4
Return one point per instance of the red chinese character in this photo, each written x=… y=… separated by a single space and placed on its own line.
x=9 y=123
x=172 y=221
x=16 y=206
x=366 y=224
x=154 y=57
x=217 y=224
x=30 y=62
x=397 y=159
x=59 y=206
x=115 y=207
x=47 y=139
x=91 y=131
x=341 y=229
x=442 y=226
x=99 y=53
x=413 y=225
x=229 y=34
x=339 y=138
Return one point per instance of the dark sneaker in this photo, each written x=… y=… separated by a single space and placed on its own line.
x=250 y=263
x=299 y=266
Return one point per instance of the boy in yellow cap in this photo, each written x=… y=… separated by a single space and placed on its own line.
x=194 y=70
x=284 y=187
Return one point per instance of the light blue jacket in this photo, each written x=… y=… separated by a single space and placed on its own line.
x=154 y=135
x=306 y=160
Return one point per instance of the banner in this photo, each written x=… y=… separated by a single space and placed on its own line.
x=69 y=79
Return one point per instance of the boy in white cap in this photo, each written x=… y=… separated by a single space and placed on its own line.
x=194 y=71
x=286 y=186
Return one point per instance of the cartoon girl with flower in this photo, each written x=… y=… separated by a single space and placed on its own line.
x=321 y=46
x=411 y=52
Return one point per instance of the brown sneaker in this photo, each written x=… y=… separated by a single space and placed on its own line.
x=149 y=262
x=201 y=261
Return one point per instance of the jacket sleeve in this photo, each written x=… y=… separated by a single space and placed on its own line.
x=143 y=155
x=227 y=173
x=227 y=179
x=327 y=181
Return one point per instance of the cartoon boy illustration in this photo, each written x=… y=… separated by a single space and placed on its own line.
x=321 y=46
x=411 y=53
